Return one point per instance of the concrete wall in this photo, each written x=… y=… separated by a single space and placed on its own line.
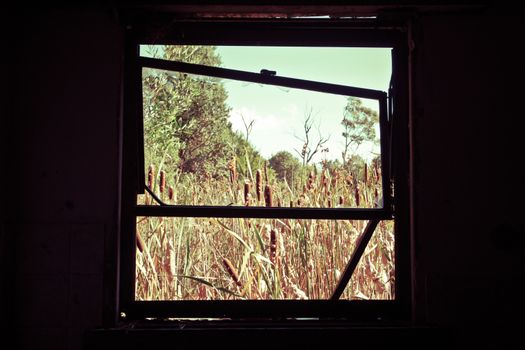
x=62 y=133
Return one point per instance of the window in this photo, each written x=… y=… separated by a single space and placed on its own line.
x=247 y=193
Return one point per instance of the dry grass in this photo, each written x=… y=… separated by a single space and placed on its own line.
x=217 y=259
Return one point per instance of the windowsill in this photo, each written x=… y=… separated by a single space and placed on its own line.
x=243 y=333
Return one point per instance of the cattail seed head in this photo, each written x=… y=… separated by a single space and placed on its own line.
x=232 y=166
x=356 y=194
x=247 y=194
x=349 y=179
x=151 y=170
x=341 y=200
x=231 y=271
x=258 y=184
x=335 y=176
x=170 y=193
x=378 y=172
x=324 y=181
x=140 y=242
x=273 y=246
x=268 y=197
x=366 y=174
x=311 y=180
x=162 y=182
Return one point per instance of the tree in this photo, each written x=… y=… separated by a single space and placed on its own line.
x=310 y=147
x=248 y=158
x=356 y=166
x=285 y=165
x=186 y=116
x=358 y=123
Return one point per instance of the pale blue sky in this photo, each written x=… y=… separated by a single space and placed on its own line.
x=279 y=112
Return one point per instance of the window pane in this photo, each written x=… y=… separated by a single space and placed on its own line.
x=258 y=259
x=225 y=142
x=366 y=67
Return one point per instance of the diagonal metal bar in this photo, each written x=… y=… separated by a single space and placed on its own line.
x=361 y=244
x=154 y=196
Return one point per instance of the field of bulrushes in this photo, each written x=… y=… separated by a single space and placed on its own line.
x=244 y=258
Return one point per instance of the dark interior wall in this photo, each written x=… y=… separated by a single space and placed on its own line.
x=467 y=75
x=62 y=185
x=64 y=90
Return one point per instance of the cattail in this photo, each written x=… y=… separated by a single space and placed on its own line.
x=311 y=180
x=162 y=184
x=202 y=292
x=231 y=271
x=151 y=170
x=247 y=194
x=324 y=182
x=356 y=194
x=377 y=169
x=329 y=195
x=302 y=200
x=268 y=198
x=341 y=200
x=349 y=179
x=232 y=166
x=170 y=193
x=273 y=246
x=335 y=176
x=366 y=174
x=140 y=242
x=258 y=184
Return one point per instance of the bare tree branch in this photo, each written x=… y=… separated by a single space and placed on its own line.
x=307 y=153
x=247 y=126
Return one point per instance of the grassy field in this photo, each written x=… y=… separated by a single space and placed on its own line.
x=221 y=259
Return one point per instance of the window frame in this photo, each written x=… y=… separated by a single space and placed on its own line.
x=266 y=33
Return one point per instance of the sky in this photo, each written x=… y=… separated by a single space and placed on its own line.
x=278 y=113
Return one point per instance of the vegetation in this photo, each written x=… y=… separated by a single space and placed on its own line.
x=196 y=158
x=212 y=258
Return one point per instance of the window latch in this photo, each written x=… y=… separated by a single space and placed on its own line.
x=268 y=72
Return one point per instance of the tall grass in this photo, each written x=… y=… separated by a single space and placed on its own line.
x=236 y=258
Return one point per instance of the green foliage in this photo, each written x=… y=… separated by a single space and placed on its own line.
x=332 y=165
x=186 y=116
x=356 y=166
x=285 y=165
x=358 y=123
x=248 y=158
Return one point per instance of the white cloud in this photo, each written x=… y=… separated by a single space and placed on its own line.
x=262 y=122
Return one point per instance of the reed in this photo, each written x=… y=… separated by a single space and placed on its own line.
x=185 y=258
x=231 y=271
x=268 y=196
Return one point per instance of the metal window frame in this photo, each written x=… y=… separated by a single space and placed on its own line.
x=384 y=212
x=271 y=33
